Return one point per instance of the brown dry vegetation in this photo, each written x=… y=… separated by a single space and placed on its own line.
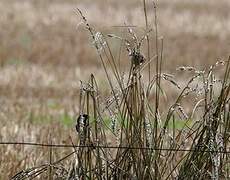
x=44 y=54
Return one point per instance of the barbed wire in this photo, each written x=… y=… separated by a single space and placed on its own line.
x=112 y=147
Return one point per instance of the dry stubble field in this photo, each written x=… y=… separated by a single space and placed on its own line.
x=44 y=53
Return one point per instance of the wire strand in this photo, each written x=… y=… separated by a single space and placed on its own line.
x=109 y=147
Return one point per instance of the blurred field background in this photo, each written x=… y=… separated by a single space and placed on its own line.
x=44 y=53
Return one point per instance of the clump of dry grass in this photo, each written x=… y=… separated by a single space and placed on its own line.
x=130 y=136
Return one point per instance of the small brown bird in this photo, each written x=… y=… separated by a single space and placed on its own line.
x=82 y=121
x=137 y=58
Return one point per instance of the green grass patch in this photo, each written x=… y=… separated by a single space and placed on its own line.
x=180 y=124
